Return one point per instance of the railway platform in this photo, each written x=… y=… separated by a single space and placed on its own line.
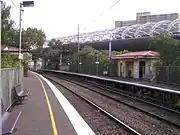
x=47 y=112
x=145 y=82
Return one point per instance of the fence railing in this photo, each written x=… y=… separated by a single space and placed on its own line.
x=9 y=78
x=168 y=75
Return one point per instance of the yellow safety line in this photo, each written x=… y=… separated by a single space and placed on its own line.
x=50 y=109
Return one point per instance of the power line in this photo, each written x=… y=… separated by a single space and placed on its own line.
x=111 y=7
x=38 y=1
x=13 y=3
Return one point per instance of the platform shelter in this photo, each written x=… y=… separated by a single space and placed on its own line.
x=137 y=64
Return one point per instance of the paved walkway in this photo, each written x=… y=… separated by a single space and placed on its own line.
x=42 y=116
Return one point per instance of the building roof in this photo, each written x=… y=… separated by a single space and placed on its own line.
x=5 y=48
x=137 y=54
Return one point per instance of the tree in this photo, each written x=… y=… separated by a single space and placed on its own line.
x=89 y=56
x=168 y=48
x=8 y=32
x=8 y=60
x=32 y=38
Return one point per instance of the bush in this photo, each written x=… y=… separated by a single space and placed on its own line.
x=9 y=60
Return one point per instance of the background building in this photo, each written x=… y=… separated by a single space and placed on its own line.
x=144 y=17
x=137 y=64
x=46 y=44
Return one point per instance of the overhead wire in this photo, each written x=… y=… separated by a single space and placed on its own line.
x=103 y=13
x=14 y=4
x=111 y=7
x=38 y=1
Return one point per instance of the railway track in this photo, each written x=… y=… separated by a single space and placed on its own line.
x=164 y=114
x=107 y=123
x=158 y=128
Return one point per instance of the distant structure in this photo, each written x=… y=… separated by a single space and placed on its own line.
x=137 y=64
x=144 y=17
x=46 y=44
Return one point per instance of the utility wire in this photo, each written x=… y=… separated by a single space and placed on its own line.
x=13 y=3
x=111 y=7
x=38 y=1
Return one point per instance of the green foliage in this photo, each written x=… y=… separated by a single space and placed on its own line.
x=87 y=55
x=8 y=32
x=9 y=60
x=118 y=53
x=88 y=58
x=31 y=37
x=53 y=42
x=168 y=70
x=168 y=48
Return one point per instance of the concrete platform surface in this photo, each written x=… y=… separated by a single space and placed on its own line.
x=42 y=116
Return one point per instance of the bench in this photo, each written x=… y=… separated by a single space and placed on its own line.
x=8 y=120
x=20 y=93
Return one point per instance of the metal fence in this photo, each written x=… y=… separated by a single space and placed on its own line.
x=94 y=69
x=9 y=78
x=168 y=75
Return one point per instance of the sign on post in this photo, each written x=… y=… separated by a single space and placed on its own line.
x=20 y=56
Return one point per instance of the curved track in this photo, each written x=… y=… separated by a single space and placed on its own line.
x=164 y=114
x=150 y=124
x=123 y=126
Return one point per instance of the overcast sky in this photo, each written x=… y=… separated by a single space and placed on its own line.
x=60 y=17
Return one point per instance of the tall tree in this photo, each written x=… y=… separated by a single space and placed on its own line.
x=168 y=48
x=33 y=38
x=89 y=58
x=8 y=32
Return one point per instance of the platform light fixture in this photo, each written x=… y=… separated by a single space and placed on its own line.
x=28 y=3
x=22 y=4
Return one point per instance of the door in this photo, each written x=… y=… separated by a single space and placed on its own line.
x=141 y=69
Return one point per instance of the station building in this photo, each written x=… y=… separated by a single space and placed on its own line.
x=11 y=49
x=137 y=64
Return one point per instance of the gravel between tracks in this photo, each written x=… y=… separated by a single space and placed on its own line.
x=168 y=115
x=132 y=117
x=101 y=124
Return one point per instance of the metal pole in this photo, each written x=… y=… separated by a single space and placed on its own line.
x=78 y=48
x=80 y=63
x=1 y=3
x=60 y=61
x=109 y=59
x=97 y=69
x=97 y=64
x=20 y=19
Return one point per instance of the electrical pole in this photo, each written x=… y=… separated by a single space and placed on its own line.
x=109 y=59
x=60 y=61
x=1 y=3
x=80 y=63
x=78 y=49
x=97 y=64
x=20 y=19
x=23 y=4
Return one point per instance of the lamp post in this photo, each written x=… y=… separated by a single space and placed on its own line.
x=78 y=50
x=80 y=63
x=109 y=59
x=97 y=64
x=23 y=4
